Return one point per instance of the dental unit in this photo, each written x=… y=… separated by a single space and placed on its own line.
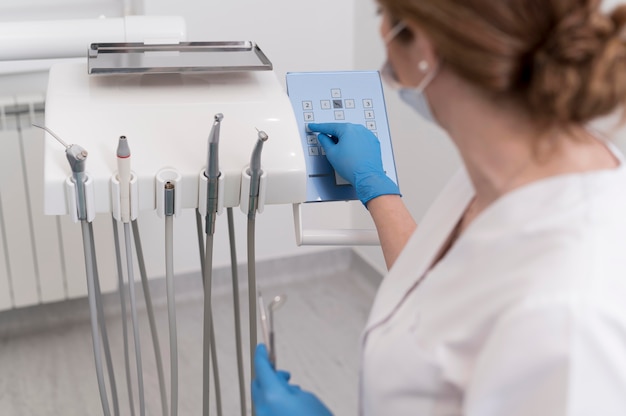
x=168 y=105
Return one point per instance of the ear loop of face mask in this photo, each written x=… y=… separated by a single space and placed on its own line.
x=414 y=97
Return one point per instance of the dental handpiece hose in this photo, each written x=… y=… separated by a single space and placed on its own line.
x=255 y=173
x=212 y=173
x=171 y=298
x=124 y=178
x=77 y=157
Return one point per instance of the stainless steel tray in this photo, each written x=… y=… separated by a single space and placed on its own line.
x=139 y=58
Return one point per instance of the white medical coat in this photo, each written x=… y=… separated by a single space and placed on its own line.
x=525 y=315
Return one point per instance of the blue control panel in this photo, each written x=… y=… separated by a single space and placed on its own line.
x=337 y=97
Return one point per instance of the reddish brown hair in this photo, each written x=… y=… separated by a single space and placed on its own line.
x=564 y=61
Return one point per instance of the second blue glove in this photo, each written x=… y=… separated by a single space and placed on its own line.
x=274 y=396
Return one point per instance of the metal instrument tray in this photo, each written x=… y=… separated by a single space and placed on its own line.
x=139 y=58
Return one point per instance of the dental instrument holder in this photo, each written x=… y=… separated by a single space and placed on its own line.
x=134 y=103
x=162 y=178
x=202 y=193
x=248 y=189
x=116 y=200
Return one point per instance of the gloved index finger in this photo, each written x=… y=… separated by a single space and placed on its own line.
x=334 y=129
x=264 y=373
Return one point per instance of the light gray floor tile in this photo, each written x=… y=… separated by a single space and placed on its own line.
x=49 y=370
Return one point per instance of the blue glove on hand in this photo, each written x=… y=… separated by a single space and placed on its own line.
x=354 y=153
x=274 y=396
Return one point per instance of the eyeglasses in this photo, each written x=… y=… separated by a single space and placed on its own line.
x=391 y=35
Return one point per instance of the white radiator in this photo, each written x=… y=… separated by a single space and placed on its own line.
x=41 y=257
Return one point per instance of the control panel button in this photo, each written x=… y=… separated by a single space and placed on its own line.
x=307 y=105
x=308 y=116
x=335 y=92
x=368 y=103
x=350 y=103
x=314 y=151
x=325 y=104
x=340 y=115
x=311 y=139
x=369 y=114
x=370 y=125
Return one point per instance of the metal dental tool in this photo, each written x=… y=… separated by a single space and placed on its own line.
x=274 y=305
x=212 y=173
x=267 y=323
x=77 y=156
x=255 y=172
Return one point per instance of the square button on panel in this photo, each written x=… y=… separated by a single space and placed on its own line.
x=311 y=139
x=339 y=115
x=335 y=92
x=370 y=125
x=308 y=116
x=323 y=151
x=314 y=151
x=369 y=114
x=337 y=104
x=307 y=105
x=350 y=103
x=325 y=104
x=368 y=103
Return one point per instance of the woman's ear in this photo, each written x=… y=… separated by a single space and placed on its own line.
x=422 y=48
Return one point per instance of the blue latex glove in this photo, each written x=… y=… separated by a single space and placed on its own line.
x=274 y=396
x=354 y=153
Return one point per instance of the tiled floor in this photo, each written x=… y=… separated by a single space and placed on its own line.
x=46 y=357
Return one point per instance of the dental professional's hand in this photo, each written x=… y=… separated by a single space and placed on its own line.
x=274 y=396
x=354 y=152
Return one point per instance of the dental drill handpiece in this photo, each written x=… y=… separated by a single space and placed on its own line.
x=255 y=173
x=212 y=173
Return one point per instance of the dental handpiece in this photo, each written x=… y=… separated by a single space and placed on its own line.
x=124 y=177
x=77 y=157
x=212 y=173
x=255 y=173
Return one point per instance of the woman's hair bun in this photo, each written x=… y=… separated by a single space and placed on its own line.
x=578 y=73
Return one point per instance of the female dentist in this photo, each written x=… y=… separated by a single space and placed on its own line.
x=509 y=298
